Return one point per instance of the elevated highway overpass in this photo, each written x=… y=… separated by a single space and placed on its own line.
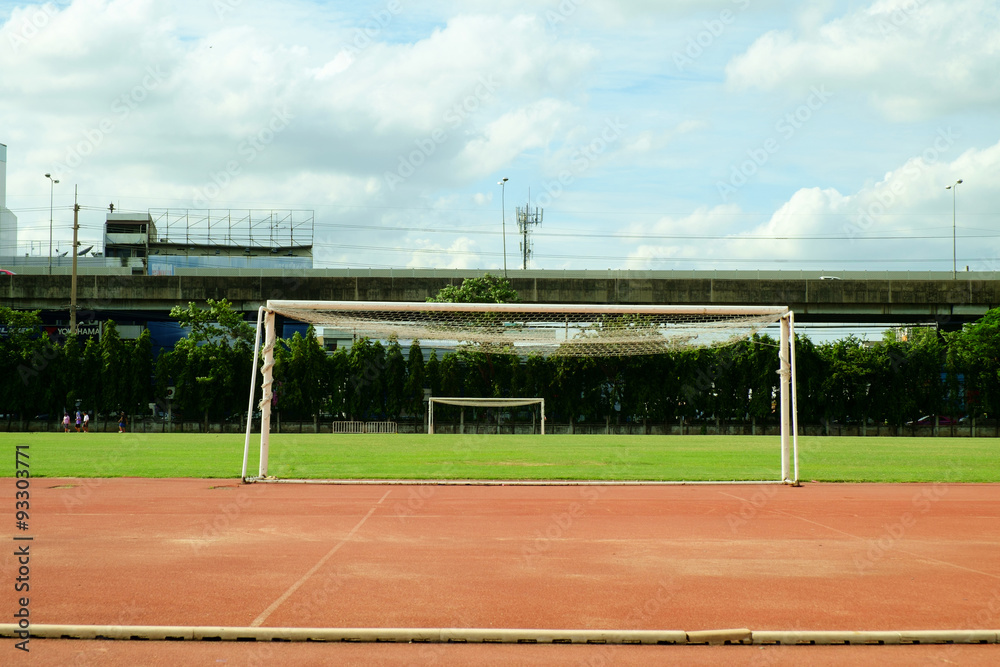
x=875 y=297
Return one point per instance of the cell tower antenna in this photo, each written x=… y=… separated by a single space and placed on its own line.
x=527 y=217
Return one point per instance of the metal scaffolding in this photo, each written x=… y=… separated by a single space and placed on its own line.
x=248 y=228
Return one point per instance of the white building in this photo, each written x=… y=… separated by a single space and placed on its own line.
x=8 y=221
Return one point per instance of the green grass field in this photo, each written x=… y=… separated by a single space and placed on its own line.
x=557 y=457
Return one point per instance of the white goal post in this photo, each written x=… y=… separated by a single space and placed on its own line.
x=481 y=402
x=547 y=329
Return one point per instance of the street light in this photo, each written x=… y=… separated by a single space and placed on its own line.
x=52 y=185
x=954 y=262
x=503 y=220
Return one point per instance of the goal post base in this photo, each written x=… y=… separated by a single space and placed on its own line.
x=514 y=482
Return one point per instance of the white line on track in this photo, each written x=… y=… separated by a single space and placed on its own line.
x=894 y=548
x=294 y=587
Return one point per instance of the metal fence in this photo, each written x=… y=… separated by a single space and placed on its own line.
x=363 y=427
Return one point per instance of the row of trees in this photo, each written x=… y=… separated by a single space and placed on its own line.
x=891 y=382
x=46 y=377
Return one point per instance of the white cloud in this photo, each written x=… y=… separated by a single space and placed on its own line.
x=908 y=212
x=480 y=84
x=716 y=221
x=458 y=71
x=532 y=126
x=463 y=253
x=154 y=102
x=914 y=58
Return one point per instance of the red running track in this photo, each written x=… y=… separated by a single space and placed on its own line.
x=215 y=552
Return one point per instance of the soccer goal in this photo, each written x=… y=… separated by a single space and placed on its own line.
x=546 y=329
x=483 y=403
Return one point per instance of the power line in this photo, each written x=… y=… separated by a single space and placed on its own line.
x=482 y=209
x=902 y=234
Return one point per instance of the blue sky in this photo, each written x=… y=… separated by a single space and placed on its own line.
x=655 y=135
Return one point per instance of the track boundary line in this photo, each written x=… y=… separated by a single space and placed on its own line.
x=738 y=636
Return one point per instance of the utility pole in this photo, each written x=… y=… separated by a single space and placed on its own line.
x=526 y=218
x=76 y=229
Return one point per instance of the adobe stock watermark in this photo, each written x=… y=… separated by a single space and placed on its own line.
x=128 y=615
x=562 y=12
x=453 y=119
x=898 y=17
x=31 y=26
x=419 y=497
x=749 y=508
x=786 y=126
x=121 y=108
x=988 y=266
x=365 y=34
x=704 y=39
x=247 y=151
x=85 y=487
x=436 y=653
x=323 y=590
x=223 y=7
x=885 y=197
x=640 y=616
x=705 y=379
x=986 y=616
x=362 y=36
x=892 y=533
x=582 y=159
x=561 y=523
x=228 y=514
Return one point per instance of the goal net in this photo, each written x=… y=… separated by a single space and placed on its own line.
x=547 y=329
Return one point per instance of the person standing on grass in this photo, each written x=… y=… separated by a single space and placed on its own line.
x=86 y=422
x=79 y=420
x=65 y=422
x=121 y=422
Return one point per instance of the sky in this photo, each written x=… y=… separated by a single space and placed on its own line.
x=687 y=134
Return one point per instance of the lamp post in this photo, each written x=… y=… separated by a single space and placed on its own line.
x=52 y=185
x=503 y=221
x=954 y=260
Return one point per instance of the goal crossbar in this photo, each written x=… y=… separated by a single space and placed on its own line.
x=548 y=329
x=545 y=329
x=598 y=309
